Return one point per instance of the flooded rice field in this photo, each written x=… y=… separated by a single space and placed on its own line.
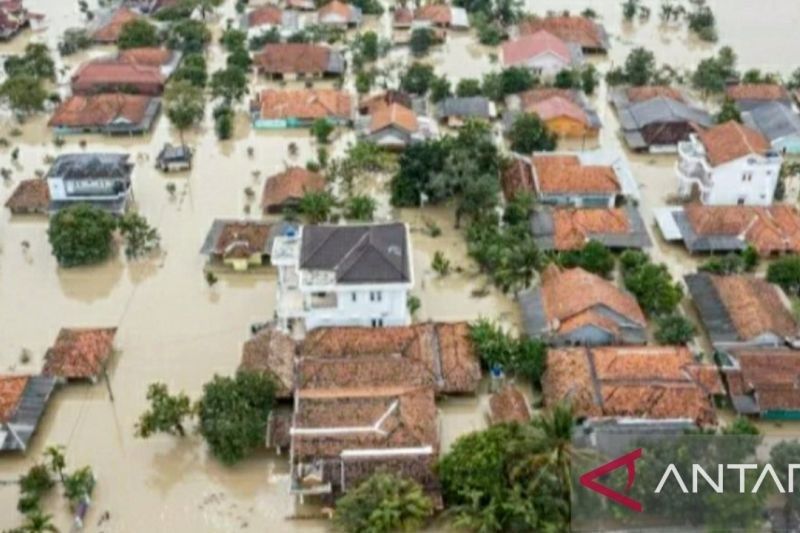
x=175 y=329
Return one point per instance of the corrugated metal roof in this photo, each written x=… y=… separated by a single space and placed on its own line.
x=774 y=120
x=712 y=311
x=18 y=431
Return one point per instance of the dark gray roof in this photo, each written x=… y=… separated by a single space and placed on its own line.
x=376 y=253
x=91 y=165
x=712 y=310
x=179 y=152
x=773 y=119
x=18 y=431
x=336 y=63
x=472 y=106
x=543 y=229
x=705 y=243
x=659 y=110
x=533 y=315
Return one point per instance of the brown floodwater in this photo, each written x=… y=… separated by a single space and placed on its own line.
x=174 y=328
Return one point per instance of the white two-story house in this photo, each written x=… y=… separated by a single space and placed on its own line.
x=100 y=179
x=729 y=164
x=343 y=276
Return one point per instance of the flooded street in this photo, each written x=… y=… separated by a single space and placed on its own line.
x=175 y=329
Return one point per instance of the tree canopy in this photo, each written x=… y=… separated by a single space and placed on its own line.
x=81 y=235
x=184 y=103
x=138 y=33
x=167 y=413
x=529 y=133
x=515 y=355
x=651 y=283
x=230 y=84
x=417 y=78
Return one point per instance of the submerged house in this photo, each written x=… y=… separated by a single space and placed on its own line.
x=655 y=118
x=575 y=307
x=80 y=354
x=728 y=164
x=108 y=26
x=269 y=17
x=356 y=275
x=166 y=60
x=99 y=179
x=241 y=244
x=742 y=311
x=779 y=123
x=751 y=95
x=762 y=382
x=14 y=18
x=454 y=111
x=661 y=384
x=440 y=16
x=339 y=14
x=109 y=113
x=732 y=228
x=395 y=126
x=585 y=32
x=174 y=158
x=299 y=108
x=299 y=60
x=23 y=400
x=284 y=190
x=113 y=75
x=30 y=197
x=543 y=53
x=567 y=228
x=565 y=112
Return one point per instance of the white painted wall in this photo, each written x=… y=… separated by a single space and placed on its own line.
x=355 y=307
x=750 y=180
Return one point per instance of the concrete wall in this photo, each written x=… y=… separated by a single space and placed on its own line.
x=747 y=180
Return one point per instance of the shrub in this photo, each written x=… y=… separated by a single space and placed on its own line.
x=81 y=235
x=674 y=329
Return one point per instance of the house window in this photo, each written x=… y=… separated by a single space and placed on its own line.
x=747 y=176
x=741 y=200
x=377 y=322
x=375 y=296
x=320 y=294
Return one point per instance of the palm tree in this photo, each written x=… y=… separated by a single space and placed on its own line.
x=56 y=460
x=317 y=206
x=361 y=207
x=38 y=522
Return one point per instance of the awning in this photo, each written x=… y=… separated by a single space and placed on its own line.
x=666 y=223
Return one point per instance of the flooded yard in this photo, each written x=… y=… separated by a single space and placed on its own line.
x=176 y=329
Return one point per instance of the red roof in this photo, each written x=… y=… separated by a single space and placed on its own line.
x=109 y=32
x=731 y=141
x=394 y=115
x=559 y=107
x=288 y=185
x=100 y=110
x=308 y=104
x=269 y=14
x=151 y=56
x=30 y=196
x=586 y=32
x=403 y=17
x=298 y=58
x=566 y=174
x=530 y=46
x=79 y=353
x=335 y=7
x=436 y=13
x=97 y=75
x=11 y=389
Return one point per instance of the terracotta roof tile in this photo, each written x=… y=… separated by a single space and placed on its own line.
x=293 y=58
x=308 y=104
x=730 y=141
x=769 y=375
x=335 y=7
x=109 y=32
x=573 y=227
x=79 y=353
x=95 y=75
x=641 y=382
x=31 y=196
x=754 y=306
x=393 y=115
x=242 y=239
x=757 y=91
x=532 y=45
x=533 y=96
x=271 y=352
x=11 y=389
x=289 y=185
x=100 y=110
x=151 y=56
x=559 y=107
x=648 y=92
x=565 y=174
x=439 y=14
x=581 y=30
x=269 y=14
x=403 y=17
x=509 y=405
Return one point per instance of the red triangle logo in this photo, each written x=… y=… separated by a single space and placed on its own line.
x=628 y=460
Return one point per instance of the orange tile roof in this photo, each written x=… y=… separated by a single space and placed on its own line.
x=393 y=115
x=558 y=107
x=291 y=184
x=11 y=389
x=100 y=110
x=335 y=7
x=754 y=306
x=575 y=295
x=403 y=17
x=533 y=45
x=30 y=196
x=574 y=227
x=533 y=96
x=97 y=74
x=436 y=13
x=565 y=174
x=242 y=239
x=768 y=229
x=269 y=14
x=575 y=29
x=769 y=374
x=730 y=141
x=79 y=353
x=293 y=58
x=306 y=104
x=109 y=32
x=151 y=56
x=271 y=352
x=641 y=382
x=509 y=405
x=757 y=91
x=648 y=92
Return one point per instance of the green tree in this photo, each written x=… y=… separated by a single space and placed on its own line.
x=440 y=89
x=794 y=79
x=37 y=522
x=516 y=355
x=363 y=81
x=640 y=67
x=317 y=206
x=383 y=503
x=674 y=329
x=189 y=36
x=23 y=94
x=167 y=413
x=360 y=207
x=729 y=111
x=418 y=163
x=589 y=79
x=421 y=40
x=785 y=272
x=529 y=133
x=257 y=42
x=192 y=69
x=233 y=39
x=79 y=485
x=322 y=129
x=56 y=460
x=184 y=105
x=140 y=237
x=468 y=87
x=567 y=79
x=136 y=34
x=239 y=59
x=223 y=122
x=81 y=235
x=712 y=74
x=230 y=84
x=367 y=45
x=233 y=412
x=417 y=78
x=491 y=32
x=594 y=257
x=440 y=264
x=36 y=62
x=703 y=23
x=654 y=288
x=629 y=9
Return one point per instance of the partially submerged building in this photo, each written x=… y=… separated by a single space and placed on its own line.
x=339 y=14
x=541 y=52
x=80 y=354
x=108 y=26
x=298 y=108
x=109 y=113
x=112 y=75
x=454 y=111
x=751 y=95
x=30 y=197
x=762 y=382
x=585 y=32
x=23 y=400
x=575 y=307
x=567 y=228
x=395 y=126
x=565 y=112
x=779 y=123
x=283 y=191
x=99 y=179
x=270 y=17
x=655 y=383
x=356 y=275
x=299 y=60
x=241 y=244
x=742 y=311
x=439 y=16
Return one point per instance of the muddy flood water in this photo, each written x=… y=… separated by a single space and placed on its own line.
x=173 y=328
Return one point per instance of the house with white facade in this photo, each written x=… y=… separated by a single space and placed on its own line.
x=353 y=275
x=100 y=179
x=729 y=164
x=541 y=52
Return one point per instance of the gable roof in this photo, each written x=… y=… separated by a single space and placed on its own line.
x=774 y=120
x=403 y=17
x=533 y=45
x=153 y=56
x=306 y=104
x=569 y=294
x=739 y=308
x=764 y=379
x=23 y=400
x=660 y=109
x=291 y=184
x=567 y=228
x=103 y=72
x=581 y=30
x=102 y=110
x=341 y=9
x=393 y=115
x=271 y=352
x=648 y=92
x=517 y=177
x=377 y=253
x=79 y=353
x=238 y=238
x=558 y=107
x=638 y=382
x=731 y=140
x=757 y=91
x=108 y=30
x=509 y=405
x=30 y=195
x=91 y=165
x=297 y=58
x=554 y=174
x=469 y=106
x=264 y=15
x=437 y=13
